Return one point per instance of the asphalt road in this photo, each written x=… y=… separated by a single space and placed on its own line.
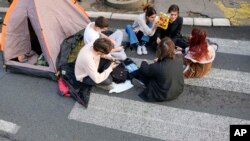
x=33 y=105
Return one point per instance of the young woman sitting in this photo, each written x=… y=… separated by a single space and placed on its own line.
x=200 y=55
x=162 y=80
x=144 y=26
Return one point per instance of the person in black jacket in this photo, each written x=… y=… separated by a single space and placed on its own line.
x=162 y=80
x=174 y=28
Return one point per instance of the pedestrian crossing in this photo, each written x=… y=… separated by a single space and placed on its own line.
x=169 y=123
x=229 y=46
x=151 y=120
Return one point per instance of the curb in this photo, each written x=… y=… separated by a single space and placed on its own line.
x=196 y=21
x=186 y=20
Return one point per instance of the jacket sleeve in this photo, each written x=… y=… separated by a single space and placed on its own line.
x=178 y=28
x=158 y=32
x=144 y=27
x=149 y=70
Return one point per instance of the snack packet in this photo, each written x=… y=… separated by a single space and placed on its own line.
x=163 y=20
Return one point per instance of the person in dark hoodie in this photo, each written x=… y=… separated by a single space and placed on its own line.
x=174 y=29
x=162 y=80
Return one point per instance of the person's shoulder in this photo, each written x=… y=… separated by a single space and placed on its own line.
x=180 y=19
x=140 y=16
x=86 y=48
x=89 y=25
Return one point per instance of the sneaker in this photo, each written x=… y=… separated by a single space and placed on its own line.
x=144 y=50
x=105 y=87
x=139 y=50
x=138 y=83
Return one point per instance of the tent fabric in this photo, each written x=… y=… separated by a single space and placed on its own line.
x=52 y=22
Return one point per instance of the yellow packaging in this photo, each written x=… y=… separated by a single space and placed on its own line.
x=163 y=20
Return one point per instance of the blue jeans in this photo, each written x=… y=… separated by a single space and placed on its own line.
x=134 y=38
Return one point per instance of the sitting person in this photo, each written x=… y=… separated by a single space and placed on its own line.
x=174 y=28
x=93 y=65
x=94 y=30
x=144 y=26
x=162 y=80
x=200 y=55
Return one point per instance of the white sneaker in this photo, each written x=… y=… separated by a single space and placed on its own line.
x=144 y=50
x=139 y=50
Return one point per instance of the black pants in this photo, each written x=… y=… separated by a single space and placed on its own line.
x=138 y=74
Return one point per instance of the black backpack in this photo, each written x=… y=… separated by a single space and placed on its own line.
x=119 y=74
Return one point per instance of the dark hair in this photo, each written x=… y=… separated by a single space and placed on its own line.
x=173 y=8
x=103 y=45
x=166 y=49
x=149 y=10
x=101 y=22
x=198 y=43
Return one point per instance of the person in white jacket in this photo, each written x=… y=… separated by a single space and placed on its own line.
x=91 y=62
x=94 y=30
x=143 y=28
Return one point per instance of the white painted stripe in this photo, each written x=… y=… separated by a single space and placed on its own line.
x=232 y=46
x=203 y=21
x=93 y=14
x=151 y=120
x=120 y=16
x=227 y=80
x=221 y=79
x=221 y=22
x=8 y=127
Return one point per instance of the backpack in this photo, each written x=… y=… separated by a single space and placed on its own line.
x=69 y=49
x=119 y=74
x=63 y=87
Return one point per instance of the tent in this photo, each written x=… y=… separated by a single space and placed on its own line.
x=34 y=29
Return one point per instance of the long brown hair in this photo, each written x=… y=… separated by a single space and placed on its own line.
x=198 y=44
x=166 y=49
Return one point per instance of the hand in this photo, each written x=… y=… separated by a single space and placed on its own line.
x=178 y=48
x=113 y=59
x=155 y=60
x=113 y=65
x=136 y=30
x=158 y=40
x=155 y=25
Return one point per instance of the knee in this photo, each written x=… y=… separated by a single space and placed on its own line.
x=124 y=56
x=128 y=27
x=119 y=32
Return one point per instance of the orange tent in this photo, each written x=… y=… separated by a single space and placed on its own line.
x=39 y=26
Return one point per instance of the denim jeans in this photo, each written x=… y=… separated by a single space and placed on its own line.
x=134 y=38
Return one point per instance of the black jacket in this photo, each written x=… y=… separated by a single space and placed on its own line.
x=173 y=30
x=165 y=80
